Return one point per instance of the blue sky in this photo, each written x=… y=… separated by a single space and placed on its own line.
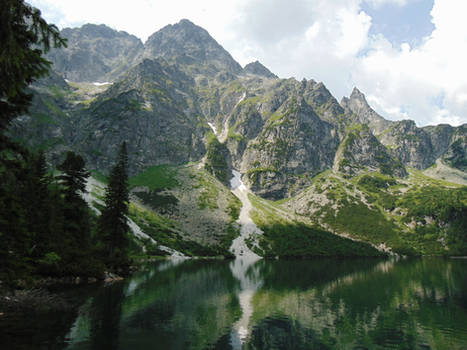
x=401 y=24
x=407 y=56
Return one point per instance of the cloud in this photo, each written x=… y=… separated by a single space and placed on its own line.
x=379 y=3
x=138 y=17
x=329 y=41
x=426 y=80
x=323 y=42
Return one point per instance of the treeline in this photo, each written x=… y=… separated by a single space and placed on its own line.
x=47 y=228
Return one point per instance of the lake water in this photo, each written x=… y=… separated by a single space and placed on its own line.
x=310 y=304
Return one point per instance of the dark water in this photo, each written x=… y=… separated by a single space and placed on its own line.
x=317 y=304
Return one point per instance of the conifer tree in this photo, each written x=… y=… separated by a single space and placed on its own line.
x=113 y=223
x=24 y=37
x=77 y=235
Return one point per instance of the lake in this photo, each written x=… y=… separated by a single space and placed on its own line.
x=306 y=304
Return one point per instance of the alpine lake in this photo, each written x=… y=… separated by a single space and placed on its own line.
x=418 y=303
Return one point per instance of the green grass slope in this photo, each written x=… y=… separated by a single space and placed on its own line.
x=415 y=216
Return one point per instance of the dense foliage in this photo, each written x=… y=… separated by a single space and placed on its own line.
x=302 y=241
x=113 y=223
x=45 y=224
x=216 y=160
x=24 y=37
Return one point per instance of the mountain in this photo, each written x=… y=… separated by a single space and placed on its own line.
x=95 y=53
x=181 y=102
x=258 y=69
x=191 y=47
x=150 y=107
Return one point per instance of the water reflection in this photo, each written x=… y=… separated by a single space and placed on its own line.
x=314 y=304
x=248 y=273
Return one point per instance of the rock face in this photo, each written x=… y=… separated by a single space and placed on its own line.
x=95 y=53
x=257 y=68
x=150 y=110
x=413 y=146
x=293 y=142
x=456 y=154
x=361 y=112
x=278 y=132
x=191 y=47
x=361 y=152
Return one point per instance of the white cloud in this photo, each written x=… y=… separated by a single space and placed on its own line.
x=325 y=40
x=378 y=3
x=417 y=77
x=139 y=17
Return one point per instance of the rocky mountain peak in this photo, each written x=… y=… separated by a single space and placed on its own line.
x=259 y=69
x=91 y=30
x=360 y=111
x=95 y=53
x=190 y=45
x=357 y=95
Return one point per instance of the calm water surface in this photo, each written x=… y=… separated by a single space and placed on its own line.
x=314 y=304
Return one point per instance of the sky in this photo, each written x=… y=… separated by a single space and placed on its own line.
x=409 y=57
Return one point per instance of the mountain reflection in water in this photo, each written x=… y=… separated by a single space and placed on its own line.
x=311 y=304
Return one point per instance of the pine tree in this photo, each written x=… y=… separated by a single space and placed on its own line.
x=113 y=223
x=24 y=37
x=76 y=238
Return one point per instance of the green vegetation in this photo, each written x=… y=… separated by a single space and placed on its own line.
x=419 y=216
x=250 y=101
x=155 y=178
x=233 y=135
x=296 y=240
x=26 y=36
x=208 y=195
x=458 y=159
x=285 y=238
x=157 y=200
x=112 y=226
x=45 y=225
x=254 y=172
x=216 y=160
x=447 y=208
x=165 y=232
x=100 y=177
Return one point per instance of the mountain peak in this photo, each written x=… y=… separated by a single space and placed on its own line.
x=258 y=68
x=358 y=106
x=358 y=95
x=95 y=52
x=187 y=22
x=190 y=45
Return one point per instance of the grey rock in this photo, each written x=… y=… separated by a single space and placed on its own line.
x=191 y=47
x=257 y=68
x=361 y=152
x=362 y=113
x=95 y=53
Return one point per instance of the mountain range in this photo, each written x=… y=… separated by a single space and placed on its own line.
x=190 y=114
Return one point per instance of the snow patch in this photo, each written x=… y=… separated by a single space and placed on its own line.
x=214 y=130
x=101 y=84
x=92 y=185
x=248 y=228
x=138 y=232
